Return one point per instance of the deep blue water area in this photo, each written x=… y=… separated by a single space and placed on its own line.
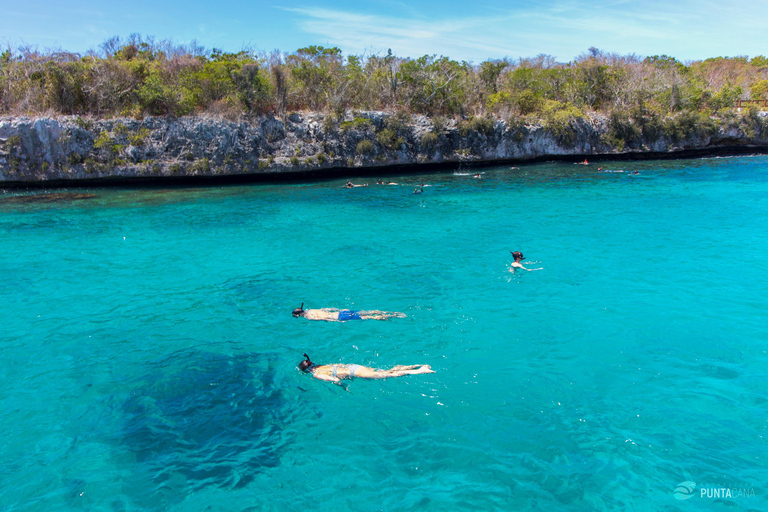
x=149 y=356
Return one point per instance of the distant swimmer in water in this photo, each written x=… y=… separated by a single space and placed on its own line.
x=337 y=372
x=477 y=175
x=514 y=168
x=385 y=182
x=516 y=264
x=343 y=315
x=352 y=185
x=418 y=190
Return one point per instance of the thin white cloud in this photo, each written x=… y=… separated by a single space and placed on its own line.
x=563 y=28
x=414 y=37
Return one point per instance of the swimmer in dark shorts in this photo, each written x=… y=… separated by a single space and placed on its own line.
x=337 y=372
x=343 y=315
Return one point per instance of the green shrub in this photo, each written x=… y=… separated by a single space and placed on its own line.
x=399 y=122
x=688 y=125
x=752 y=123
x=85 y=124
x=649 y=122
x=139 y=138
x=104 y=140
x=358 y=123
x=202 y=165
x=365 y=147
x=389 y=139
x=120 y=129
x=482 y=125
x=321 y=158
x=12 y=142
x=46 y=166
x=500 y=101
x=438 y=124
x=329 y=124
x=263 y=165
x=560 y=119
x=175 y=168
x=74 y=158
x=294 y=160
x=428 y=140
x=622 y=131
x=528 y=103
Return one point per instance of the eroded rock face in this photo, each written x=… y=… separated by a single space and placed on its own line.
x=72 y=148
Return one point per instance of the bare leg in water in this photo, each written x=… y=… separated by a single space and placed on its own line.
x=396 y=371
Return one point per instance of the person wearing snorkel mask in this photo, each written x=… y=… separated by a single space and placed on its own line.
x=516 y=264
x=343 y=315
x=337 y=372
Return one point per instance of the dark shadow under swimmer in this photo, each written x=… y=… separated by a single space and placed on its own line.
x=343 y=315
x=337 y=372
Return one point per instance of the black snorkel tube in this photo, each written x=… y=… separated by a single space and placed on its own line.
x=306 y=365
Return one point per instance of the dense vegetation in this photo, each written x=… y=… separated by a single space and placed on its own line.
x=140 y=76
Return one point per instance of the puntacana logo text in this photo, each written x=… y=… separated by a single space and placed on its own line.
x=687 y=490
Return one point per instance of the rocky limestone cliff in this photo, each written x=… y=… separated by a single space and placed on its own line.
x=69 y=150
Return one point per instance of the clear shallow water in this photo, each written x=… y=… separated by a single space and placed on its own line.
x=149 y=355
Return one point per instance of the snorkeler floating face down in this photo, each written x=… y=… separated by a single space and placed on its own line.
x=335 y=373
x=344 y=315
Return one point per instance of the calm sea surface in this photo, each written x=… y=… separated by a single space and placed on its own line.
x=148 y=356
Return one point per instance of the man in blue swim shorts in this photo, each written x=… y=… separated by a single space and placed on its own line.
x=343 y=315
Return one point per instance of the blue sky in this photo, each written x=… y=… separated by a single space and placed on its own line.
x=473 y=31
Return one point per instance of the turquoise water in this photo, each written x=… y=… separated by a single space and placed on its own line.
x=149 y=354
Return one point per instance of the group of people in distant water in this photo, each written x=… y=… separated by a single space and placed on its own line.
x=600 y=169
x=417 y=190
x=477 y=175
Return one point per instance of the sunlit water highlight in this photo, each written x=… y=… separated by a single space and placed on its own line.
x=149 y=355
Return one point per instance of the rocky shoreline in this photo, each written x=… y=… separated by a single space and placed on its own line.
x=75 y=151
